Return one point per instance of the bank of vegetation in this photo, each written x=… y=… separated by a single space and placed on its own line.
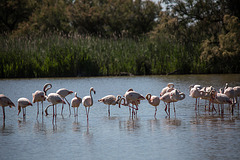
x=49 y=38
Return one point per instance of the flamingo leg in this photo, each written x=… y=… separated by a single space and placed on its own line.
x=155 y=111
x=74 y=112
x=3 y=113
x=42 y=107
x=196 y=104
x=69 y=106
x=169 y=109
x=108 y=110
x=87 y=112
x=53 y=111
x=37 y=109
x=77 y=111
x=62 y=109
x=166 y=108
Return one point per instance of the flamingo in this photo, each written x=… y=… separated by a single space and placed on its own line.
x=154 y=101
x=167 y=99
x=55 y=99
x=220 y=98
x=88 y=101
x=169 y=88
x=237 y=93
x=63 y=92
x=75 y=103
x=39 y=96
x=23 y=103
x=133 y=98
x=196 y=93
x=5 y=101
x=110 y=100
x=176 y=95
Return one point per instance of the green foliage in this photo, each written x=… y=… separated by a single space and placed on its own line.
x=55 y=55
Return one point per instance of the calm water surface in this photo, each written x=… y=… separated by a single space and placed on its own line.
x=188 y=135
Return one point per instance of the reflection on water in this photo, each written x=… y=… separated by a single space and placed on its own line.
x=189 y=134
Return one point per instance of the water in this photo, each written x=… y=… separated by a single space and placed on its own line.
x=188 y=135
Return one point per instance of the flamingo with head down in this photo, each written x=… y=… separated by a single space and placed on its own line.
x=22 y=104
x=76 y=101
x=110 y=100
x=154 y=101
x=63 y=92
x=5 y=101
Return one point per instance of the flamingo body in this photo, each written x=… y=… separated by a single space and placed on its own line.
x=22 y=104
x=88 y=101
x=110 y=100
x=5 y=101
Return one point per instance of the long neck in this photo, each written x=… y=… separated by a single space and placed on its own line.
x=46 y=87
x=91 y=96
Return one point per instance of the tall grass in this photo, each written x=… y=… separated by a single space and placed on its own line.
x=55 y=55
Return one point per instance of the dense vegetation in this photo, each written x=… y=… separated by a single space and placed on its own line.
x=48 y=38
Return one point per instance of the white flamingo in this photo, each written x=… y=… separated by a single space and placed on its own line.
x=110 y=100
x=75 y=102
x=88 y=101
x=54 y=99
x=5 y=101
x=166 y=98
x=236 y=94
x=176 y=95
x=39 y=96
x=134 y=98
x=63 y=92
x=154 y=101
x=196 y=93
x=220 y=98
x=169 y=88
x=22 y=104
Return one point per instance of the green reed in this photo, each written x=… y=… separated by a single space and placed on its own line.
x=60 y=56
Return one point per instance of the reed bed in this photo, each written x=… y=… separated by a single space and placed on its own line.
x=55 y=55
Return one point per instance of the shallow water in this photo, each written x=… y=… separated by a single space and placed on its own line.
x=189 y=134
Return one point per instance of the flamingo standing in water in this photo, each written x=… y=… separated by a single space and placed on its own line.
x=40 y=96
x=23 y=103
x=154 y=101
x=5 y=101
x=166 y=98
x=236 y=94
x=88 y=101
x=196 y=93
x=55 y=99
x=63 y=92
x=133 y=98
x=110 y=100
x=75 y=103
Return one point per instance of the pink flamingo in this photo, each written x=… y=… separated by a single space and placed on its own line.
x=75 y=103
x=55 y=99
x=176 y=95
x=88 y=101
x=236 y=93
x=40 y=96
x=63 y=92
x=220 y=98
x=110 y=100
x=169 y=88
x=166 y=98
x=23 y=103
x=154 y=101
x=196 y=93
x=5 y=101
x=133 y=98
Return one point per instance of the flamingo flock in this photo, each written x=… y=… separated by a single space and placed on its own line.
x=130 y=99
